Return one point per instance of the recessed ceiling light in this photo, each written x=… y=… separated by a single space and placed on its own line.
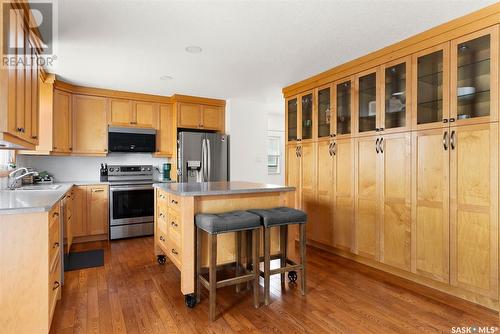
x=193 y=49
x=166 y=77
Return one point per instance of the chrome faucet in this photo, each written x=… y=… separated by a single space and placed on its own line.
x=14 y=180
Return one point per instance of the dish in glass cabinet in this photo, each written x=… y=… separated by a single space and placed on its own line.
x=463 y=91
x=395 y=105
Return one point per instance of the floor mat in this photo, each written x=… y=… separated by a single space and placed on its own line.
x=82 y=260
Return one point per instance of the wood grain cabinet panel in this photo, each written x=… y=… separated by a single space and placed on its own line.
x=62 y=122
x=120 y=112
x=474 y=208
x=367 y=197
x=343 y=194
x=395 y=204
x=89 y=125
x=293 y=171
x=213 y=118
x=430 y=203
x=307 y=153
x=97 y=209
x=79 y=215
x=189 y=115
x=166 y=134
x=322 y=225
x=145 y=114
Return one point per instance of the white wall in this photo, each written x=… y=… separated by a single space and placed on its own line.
x=248 y=123
x=85 y=168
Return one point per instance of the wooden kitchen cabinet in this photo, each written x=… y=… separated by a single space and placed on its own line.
x=293 y=170
x=145 y=114
x=367 y=99
x=343 y=193
x=307 y=154
x=61 y=142
x=68 y=205
x=166 y=133
x=322 y=225
x=367 y=194
x=79 y=215
x=430 y=203
x=395 y=199
x=120 y=113
x=97 y=209
x=306 y=112
x=292 y=116
x=474 y=208
x=197 y=116
x=90 y=136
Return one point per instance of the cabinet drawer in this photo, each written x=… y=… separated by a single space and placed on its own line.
x=174 y=228
x=174 y=253
x=54 y=239
x=162 y=198
x=54 y=286
x=162 y=238
x=174 y=202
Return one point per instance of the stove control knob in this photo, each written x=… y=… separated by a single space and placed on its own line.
x=149 y=169
x=143 y=169
x=111 y=169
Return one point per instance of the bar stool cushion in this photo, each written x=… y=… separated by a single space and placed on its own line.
x=280 y=216
x=227 y=222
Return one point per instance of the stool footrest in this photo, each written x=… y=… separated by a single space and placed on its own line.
x=235 y=280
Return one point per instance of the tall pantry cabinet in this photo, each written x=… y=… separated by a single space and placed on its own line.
x=397 y=165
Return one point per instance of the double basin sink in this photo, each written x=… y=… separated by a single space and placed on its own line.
x=39 y=187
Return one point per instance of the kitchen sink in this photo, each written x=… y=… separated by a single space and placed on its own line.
x=41 y=187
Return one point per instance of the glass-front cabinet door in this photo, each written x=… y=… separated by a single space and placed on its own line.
x=474 y=77
x=430 y=87
x=292 y=114
x=324 y=116
x=367 y=101
x=306 y=112
x=343 y=98
x=395 y=113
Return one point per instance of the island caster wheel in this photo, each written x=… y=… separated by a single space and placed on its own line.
x=161 y=259
x=190 y=301
x=292 y=276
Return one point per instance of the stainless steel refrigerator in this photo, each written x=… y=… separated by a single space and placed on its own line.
x=202 y=157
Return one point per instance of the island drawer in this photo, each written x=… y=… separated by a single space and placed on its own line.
x=162 y=198
x=162 y=238
x=174 y=228
x=174 y=253
x=174 y=202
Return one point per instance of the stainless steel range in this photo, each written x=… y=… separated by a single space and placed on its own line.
x=131 y=204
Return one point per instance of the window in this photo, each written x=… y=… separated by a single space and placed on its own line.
x=273 y=155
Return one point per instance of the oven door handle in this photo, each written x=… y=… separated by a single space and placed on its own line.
x=129 y=188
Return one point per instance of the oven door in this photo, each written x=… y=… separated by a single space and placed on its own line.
x=131 y=204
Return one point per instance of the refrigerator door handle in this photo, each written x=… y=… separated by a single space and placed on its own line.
x=209 y=158
x=202 y=171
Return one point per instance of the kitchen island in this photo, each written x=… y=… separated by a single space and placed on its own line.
x=176 y=205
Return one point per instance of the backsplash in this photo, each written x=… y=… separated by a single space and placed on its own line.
x=74 y=168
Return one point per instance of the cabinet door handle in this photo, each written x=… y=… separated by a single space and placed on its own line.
x=56 y=245
x=330 y=149
x=97 y=190
x=376 y=145
x=174 y=201
x=56 y=285
x=174 y=224
x=174 y=251
x=334 y=148
x=161 y=215
x=55 y=214
x=162 y=238
x=445 y=140
x=381 y=145
x=452 y=140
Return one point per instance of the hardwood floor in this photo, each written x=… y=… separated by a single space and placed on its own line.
x=133 y=294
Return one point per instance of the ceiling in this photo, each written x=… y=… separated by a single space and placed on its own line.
x=251 y=49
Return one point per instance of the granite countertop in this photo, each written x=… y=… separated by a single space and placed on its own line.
x=28 y=201
x=220 y=188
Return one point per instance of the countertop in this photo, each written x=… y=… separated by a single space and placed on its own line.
x=220 y=188
x=28 y=201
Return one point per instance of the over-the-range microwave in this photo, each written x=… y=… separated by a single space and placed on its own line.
x=131 y=140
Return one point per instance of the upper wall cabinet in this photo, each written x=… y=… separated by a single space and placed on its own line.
x=198 y=116
x=292 y=116
x=430 y=87
x=396 y=85
x=166 y=133
x=324 y=115
x=61 y=136
x=306 y=115
x=89 y=125
x=343 y=98
x=367 y=102
x=132 y=113
x=474 y=77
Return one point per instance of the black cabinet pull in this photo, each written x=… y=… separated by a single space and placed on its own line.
x=452 y=140
x=376 y=145
x=445 y=140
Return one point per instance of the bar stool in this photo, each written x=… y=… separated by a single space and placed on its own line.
x=282 y=217
x=213 y=225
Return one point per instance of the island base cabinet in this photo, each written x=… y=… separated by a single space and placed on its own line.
x=474 y=208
